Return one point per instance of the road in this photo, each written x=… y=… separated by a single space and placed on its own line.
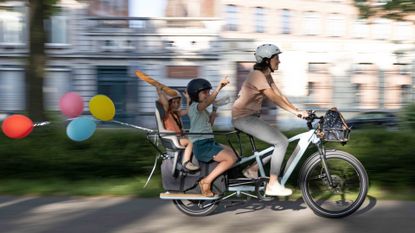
x=135 y=215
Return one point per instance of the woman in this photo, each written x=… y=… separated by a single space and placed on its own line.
x=247 y=108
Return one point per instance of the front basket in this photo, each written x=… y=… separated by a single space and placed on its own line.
x=336 y=135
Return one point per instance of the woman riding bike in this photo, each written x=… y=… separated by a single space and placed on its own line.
x=246 y=111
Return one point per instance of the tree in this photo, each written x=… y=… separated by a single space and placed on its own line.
x=39 y=10
x=392 y=9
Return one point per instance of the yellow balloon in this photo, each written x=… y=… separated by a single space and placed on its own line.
x=102 y=107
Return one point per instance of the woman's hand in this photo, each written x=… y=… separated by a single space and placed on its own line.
x=301 y=114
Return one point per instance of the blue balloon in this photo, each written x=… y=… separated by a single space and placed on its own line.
x=81 y=128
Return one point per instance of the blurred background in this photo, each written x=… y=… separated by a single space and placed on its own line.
x=358 y=55
x=335 y=53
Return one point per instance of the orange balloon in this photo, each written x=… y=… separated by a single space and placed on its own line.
x=17 y=126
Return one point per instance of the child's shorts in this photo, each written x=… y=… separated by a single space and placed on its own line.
x=205 y=149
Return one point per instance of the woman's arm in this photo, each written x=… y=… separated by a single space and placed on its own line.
x=277 y=98
x=285 y=99
x=204 y=104
x=163 y=99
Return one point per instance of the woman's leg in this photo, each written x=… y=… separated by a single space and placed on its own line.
x=267 y=133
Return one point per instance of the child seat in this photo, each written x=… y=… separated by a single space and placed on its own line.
x=168 y=137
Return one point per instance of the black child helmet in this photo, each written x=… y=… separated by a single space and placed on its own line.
x=197 y=85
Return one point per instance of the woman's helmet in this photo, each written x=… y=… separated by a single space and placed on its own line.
x=197 y=85
x=266 y=51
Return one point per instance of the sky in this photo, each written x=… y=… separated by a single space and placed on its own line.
x=147 y=8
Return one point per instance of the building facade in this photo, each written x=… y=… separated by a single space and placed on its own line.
x=330 y=56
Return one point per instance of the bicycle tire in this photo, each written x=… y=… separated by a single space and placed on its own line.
x=193 y=208
x=312 y=175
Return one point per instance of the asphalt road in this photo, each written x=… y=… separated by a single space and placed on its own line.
x=133 y=215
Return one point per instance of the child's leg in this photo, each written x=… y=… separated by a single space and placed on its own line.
x=226 y=159
x=188 y=150
x=186 y=161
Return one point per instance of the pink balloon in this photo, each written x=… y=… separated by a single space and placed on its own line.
x=71 y=104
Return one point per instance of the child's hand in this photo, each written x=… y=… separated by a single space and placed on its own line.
x=186 y=95
x=224 y=81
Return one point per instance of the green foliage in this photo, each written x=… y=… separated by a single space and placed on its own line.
x=407 y=116
x=48 y=152
x=393 y=9
x=47 y=161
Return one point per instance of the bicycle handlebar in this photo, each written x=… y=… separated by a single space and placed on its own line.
x=311 y=117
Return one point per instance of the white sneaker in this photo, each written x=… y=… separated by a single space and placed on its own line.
x=277 y=190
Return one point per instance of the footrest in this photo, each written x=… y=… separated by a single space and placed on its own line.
x=186 y=196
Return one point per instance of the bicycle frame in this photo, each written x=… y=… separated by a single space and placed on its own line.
x=304 y=141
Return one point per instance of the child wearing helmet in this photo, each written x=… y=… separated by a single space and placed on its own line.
x=172 y=121
x=205 y=148
x=246 y=114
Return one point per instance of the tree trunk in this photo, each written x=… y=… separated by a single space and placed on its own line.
x=36 y=61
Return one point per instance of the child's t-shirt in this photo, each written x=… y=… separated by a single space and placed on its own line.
x=199 y=123
x=173 y=122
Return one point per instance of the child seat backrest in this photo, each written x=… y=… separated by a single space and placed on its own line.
x=169 y=138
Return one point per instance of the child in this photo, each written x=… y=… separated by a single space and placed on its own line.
x=172 y=121
x=204 y=146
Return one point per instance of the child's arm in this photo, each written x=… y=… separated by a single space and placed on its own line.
x=204 y=104
x=212 y=115
x=185 y=111
x=163 y=99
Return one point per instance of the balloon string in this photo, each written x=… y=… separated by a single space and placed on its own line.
x=43 y=123
x=133 y=126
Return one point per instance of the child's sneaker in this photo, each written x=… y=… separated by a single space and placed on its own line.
x=190 y=166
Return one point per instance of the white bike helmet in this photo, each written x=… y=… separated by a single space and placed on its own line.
x=266 y=51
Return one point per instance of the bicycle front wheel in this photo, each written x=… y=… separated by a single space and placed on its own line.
x=348 y=189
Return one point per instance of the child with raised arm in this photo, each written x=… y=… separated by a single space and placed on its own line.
x=201 y=133
x=172 y=121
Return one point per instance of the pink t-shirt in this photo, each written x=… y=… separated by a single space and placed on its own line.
x=251 y=95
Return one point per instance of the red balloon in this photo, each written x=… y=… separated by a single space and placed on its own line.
x=17 y=126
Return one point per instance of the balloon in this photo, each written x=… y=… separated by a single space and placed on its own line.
x=102 y=107
x=71 y=104
x=17 y=126
x=81 y=128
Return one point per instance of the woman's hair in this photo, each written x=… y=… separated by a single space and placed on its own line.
x=263 y=65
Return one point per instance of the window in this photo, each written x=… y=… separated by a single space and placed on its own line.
x=403 y=31
x=115 y=82
x=259 y=19
x=381 y=29
x=336 y=25
x=11 y=27
x=231 y=18
x=56 y=27
x=286 y=21
x=312 y=24
x=360 y=29
x=12 y=90
x=56 y=83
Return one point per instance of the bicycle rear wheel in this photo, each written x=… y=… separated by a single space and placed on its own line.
x=196 y=207
x=345 y=195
